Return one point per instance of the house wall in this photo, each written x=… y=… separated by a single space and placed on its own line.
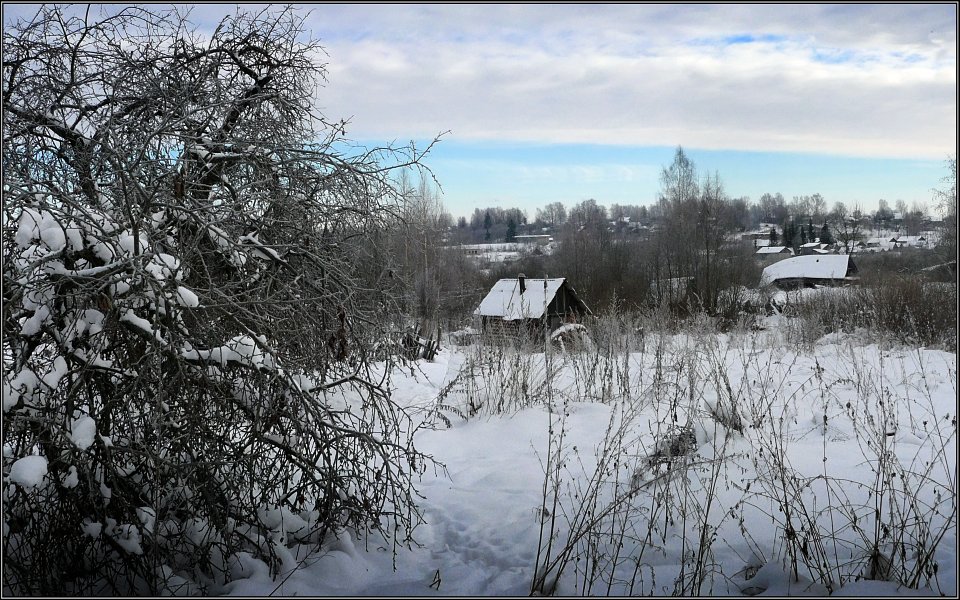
x=794 y=283
x=563 y=303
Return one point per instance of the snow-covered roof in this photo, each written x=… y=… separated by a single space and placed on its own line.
x=505 y=300
x=770 y=249
x=814 y=266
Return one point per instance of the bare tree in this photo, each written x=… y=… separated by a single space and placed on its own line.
x=945 y=198
x=553 y=214
x=678 y=182
x=187 y=334
x=818 y=208
x=846 y=227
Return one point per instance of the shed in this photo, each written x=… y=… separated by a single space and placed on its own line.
x=808 y=271
x=523 y=301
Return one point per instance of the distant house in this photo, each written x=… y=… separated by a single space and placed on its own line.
x=809 y=271
x=484 y=254
x=815 y=247
x=854 y=246
x=877 y=244
x=913 y=241
x=766 y=250
x=531 y=303
x=541 y=240
x=751 y=236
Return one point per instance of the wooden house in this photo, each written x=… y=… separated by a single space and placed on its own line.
x=530 y=304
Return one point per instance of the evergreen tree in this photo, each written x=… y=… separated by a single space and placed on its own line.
x=825 y=236
x=810 y=236
x=789 y=232
x=487 y=224
x=511 y=230
x=773 y=236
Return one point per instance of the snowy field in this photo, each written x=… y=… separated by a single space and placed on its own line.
x=707 y=464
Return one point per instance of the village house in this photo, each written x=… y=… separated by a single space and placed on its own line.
x=877 y=244
x=911 y=241
x=854 y=246
x=810 y=271
x=769 y=254
x=774 y=250
x=540 y=240
x=758 y=235
x=814 y=247
x=530 y=304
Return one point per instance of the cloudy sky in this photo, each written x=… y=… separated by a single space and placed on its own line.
x=567 y=102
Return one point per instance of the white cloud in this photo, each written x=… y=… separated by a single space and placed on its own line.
x=858 y=80
x=852 y=79
x=554 y=174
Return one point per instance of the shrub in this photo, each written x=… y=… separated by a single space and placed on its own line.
x=186 y=365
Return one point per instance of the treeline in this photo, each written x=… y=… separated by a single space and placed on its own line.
x=683 y=250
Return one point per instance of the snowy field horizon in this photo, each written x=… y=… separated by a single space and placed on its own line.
x=693 y=463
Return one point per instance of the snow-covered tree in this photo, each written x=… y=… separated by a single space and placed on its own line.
x=187 y=347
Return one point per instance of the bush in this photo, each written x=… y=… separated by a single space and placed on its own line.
x=186 y=373
x=910 y=309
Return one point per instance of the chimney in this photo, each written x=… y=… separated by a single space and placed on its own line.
x=523 y=282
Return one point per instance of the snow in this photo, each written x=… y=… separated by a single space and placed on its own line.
x=505 y=300
x=28 y=471
x=131 y=244
x=484 y=513
x=58 y=370
x=164 y=266
x=82 y=432
x=33 y=324
x=127 y=536
x=832 y=266
x=71 y=479
x=771 y=250
x=241 y=349
x=23 y=384
x=42 y=226
x=93 y=529
x=187 y=298
x=260 y=250
x=140 y=323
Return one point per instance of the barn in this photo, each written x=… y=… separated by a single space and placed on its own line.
x=809 y=271
x=530 y=304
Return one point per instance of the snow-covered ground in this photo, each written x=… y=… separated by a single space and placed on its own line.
x=840 y=452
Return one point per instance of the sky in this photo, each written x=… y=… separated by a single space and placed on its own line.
x=565 y=102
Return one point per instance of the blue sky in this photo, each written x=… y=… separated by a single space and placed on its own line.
x=567 y=102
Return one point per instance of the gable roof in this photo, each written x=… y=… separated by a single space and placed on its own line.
x=505 y=300
x=772 y=250
x=814 y=266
